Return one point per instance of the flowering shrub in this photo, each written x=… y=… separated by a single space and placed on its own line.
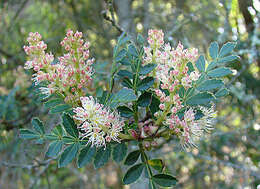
x=166 y=93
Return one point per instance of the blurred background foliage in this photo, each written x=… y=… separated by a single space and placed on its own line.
x=227 y=158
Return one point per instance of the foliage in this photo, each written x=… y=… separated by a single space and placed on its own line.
x=124 y=83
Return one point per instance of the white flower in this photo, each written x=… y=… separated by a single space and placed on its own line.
x=207 y=120
x=194 y=76
x=99 y=124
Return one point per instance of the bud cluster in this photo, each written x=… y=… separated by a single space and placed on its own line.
x=73 y=72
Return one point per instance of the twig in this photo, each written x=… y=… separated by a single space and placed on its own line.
x=111 y=20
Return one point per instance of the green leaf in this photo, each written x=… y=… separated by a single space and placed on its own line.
x=125 y=111
x=123 y=96
x=122 y=39
x=68 y=155
x=190 y=66
x=125 y=61
x=147 y=69
x=119 y=152
x=69 y=125
x=226 y=49
x=140 y=39
x=120 y=55
x=157 y=164
x=102 y=156
x=212 y=65
x=132 y=157
x=164 y=180
x=54 y=148
x=210 y=84
x=53 y=102
x=182 y=92
x=200 y=63
x=145 y=99
x=68 y=139
x=200 y=99
x=145 y=84
x=219 y=72
x=227 y=59
x=221 y=93
x=51 y=137
x=86 y=155
x=58 y=130
x=213 y=50
x=28 y=134
x=38 y=126
x=125 y=73
x=60 y=108
x=154 y=106
x=133 y=173
x=132 y=50
x=127 y=83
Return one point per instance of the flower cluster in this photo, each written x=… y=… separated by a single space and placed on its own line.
x=73 y=72
x=171 y=74
x=99 y=124
x=188 y=129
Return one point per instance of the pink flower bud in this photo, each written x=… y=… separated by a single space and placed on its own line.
x=162 y=106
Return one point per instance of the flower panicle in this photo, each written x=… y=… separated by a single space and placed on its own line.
x=71 y=75
x=173 y=74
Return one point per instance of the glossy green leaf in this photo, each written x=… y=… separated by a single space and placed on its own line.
x=68 y=154
x=154 y=106
x=127 y=83
x=38 y=126
x=60 y=108
x=120 y=55
x=227 y=59
x=132 y=157
x=123 y=96
x=125 y=73
x=200 y=99
x=164 y=180
x=125 y=61
x=147 y=69
x=219 y=72
x=212 y=65
x=28 y=134
x=86 y=155
x=221 y=93
x=132 y=50
x=210 y=85
x=119 y=152
x=102 y=156
x=200 y=63
x=54 y=148
x=133 y=173
x=53 y=102
x=145 y=84
x=227 y=48
x=69 y=125
x=58 y=130
x=68 y=139
x=145 y=99
x=213 y=50
x=125 y=111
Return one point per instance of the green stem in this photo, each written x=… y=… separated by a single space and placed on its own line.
x=145 y=158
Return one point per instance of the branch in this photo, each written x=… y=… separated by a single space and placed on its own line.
x=111 y=20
